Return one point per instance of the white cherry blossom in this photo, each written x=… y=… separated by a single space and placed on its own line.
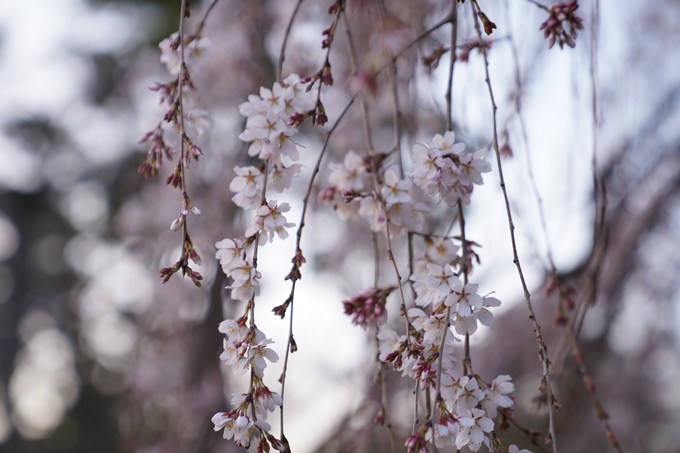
x=474 y=426
x=194 y=52
x=395 y=190
x=247 y=186
x=350 y=175
x=229 y=252
x=281 y=176
x=269 y=219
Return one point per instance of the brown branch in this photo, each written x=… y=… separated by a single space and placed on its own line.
x=590 y=387
x=543 y=354
x=467 y=362
x=452 y=61
x=540 y=5
x=201 y=24
x=282 y=53
x=298 y=250
x=599 y=247
x=525 y=138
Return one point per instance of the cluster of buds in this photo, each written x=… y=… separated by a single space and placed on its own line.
x=554 y=26
x=368 y=307
x=192 y=151
x=328 y=33
x=187 y=208
x=188 y=254
x=335 y=8
x=154 y=157
x=469 y=46
x=298 y=260
x=178 y=59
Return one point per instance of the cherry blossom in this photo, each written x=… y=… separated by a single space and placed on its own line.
x=350 y=175
x=474 y=424
x=446 y=170
x=195 y=51
x=496 y=395
x=390 y=342
x=269 y=219
x=229 y=252
x=245 y=283
x=247 y=186
x=395 y=190
x=368 y=307
x=281 y=176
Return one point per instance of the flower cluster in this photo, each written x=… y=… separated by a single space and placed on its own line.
x=351 y=194
x=467 y=404
x=268 y=116
x=446 y=170
x=439 y=286
x=443 y=169
x=245 y=346
x=269 y=219
x=445 y=306
x=553 y=27
x=270 y=135
x=245 y=349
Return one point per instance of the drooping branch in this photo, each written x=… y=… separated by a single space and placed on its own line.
x=543 y=353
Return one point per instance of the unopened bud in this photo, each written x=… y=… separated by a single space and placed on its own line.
x=177 y=223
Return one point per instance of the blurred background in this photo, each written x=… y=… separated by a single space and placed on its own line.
x=97 y=356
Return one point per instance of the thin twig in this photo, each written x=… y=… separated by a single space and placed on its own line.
x=449 y=122
x=543 y=354
x=182 y=134
x=396 y=123
x=416 y=420
x=382 y=371
x=452 y=61
x=282 y=53
x=530 y=435
x=305 y=205
x=394 y=89
x=599 y=243
x=251 y=302
x=590 y=387
x=467 y=361
x=201 y=24
x=540 y=5
x=525 y=138
x=376 y=259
